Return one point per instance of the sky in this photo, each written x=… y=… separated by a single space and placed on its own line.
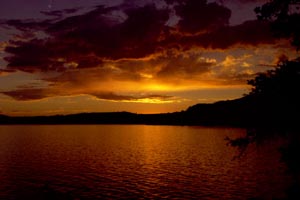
x=141 y=56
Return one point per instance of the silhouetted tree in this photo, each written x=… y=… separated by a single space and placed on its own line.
x=274 y=100
x=282 y=81
x=275 y=97
x=284 y=16
x=275 y=93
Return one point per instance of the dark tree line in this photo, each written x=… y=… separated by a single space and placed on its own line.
x=275 y=94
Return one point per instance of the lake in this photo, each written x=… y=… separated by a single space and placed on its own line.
x=135 y=162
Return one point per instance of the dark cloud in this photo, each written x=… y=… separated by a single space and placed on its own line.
x=60 y=13
x=28 y=24
x=250 y=33
x=244 y=1
x=112 y=33
x=53 y=13
x=179 y=66
x=112 y=96
x=78 y=38
x=41 y=93
x=27 y=94
x=198 y=15
x=171 y=1
x=7 y=71
x=28 y=55
x=116 y=97
x=111 y=38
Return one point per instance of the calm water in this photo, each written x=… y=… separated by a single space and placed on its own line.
x=130 y=162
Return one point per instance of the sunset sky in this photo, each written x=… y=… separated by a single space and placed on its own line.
x=142 y=56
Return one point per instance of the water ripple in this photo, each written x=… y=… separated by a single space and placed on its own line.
x=133 y=162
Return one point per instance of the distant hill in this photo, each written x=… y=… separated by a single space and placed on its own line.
x=242 y=112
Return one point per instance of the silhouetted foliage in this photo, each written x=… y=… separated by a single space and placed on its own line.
x=285 y=18
x=275 y=103
x=276 y=93
x=281 y=81
x=275 y=98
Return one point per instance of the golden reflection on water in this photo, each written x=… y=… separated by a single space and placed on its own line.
x=128 y=161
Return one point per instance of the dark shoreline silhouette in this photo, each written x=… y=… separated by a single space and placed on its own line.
x=223 y=113
x=241 y=112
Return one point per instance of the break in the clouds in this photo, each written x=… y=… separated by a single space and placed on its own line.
x=132 y=50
